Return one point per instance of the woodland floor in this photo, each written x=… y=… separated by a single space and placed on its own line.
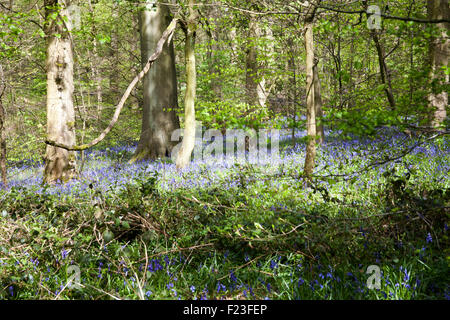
x=229 y=230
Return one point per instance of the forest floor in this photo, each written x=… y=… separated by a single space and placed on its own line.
x=231 y=230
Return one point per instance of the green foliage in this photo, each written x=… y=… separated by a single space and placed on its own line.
x=231 y=115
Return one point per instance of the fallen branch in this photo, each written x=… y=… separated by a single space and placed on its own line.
x=159 y=47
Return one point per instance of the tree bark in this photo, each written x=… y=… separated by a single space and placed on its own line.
x=95 y=62
x=187 y=146
x=114 y=77
x=310 y=101
x=252 y=69
x=160 y=87
x=213 y=53
x=310 y=105
x=384 y=71
x=438 y=55
x=60 y=164
x=318 y=104
x=2 y=129
x=292 y=67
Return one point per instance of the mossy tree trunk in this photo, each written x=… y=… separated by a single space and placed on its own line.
x=187 y=146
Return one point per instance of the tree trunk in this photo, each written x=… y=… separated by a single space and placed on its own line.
x=95 y=64
x=310 y=105
x=213 y=53
x=438 y=53
x=187 y=146
x=384 y=71
x=114 y=77
x=60 y=164
x=293 y=86
x=318 y=104
x=251 y=64
x=160 y=87
x=2 y=129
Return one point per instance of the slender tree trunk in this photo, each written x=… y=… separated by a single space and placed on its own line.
x=94 y=61
x=160 y=87
x=2 y=129
x=293 y=85
x=60 y=164
x=251 y=62
x=318 y=104
x=339 y=62
x=384 y=71
x=213 y=49
x=187 y=146
x=438 y=55
x=310 y=105
x=264 y=88
x=411 y=69
x=114 y=78
x=351 y=102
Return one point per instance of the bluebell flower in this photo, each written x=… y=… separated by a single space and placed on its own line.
x=233 y=276
x=221 y=287
x=273 y=264
x=406 y=275
x=192 y=288
x=429 y=238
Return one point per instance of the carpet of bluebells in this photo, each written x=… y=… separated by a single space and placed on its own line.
x=229 y=229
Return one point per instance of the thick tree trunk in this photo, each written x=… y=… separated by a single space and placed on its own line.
x=187 y=146
x=60 y=164
x=310 y=105
x=439 y=52
x=160 y=87
x=2 y=129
